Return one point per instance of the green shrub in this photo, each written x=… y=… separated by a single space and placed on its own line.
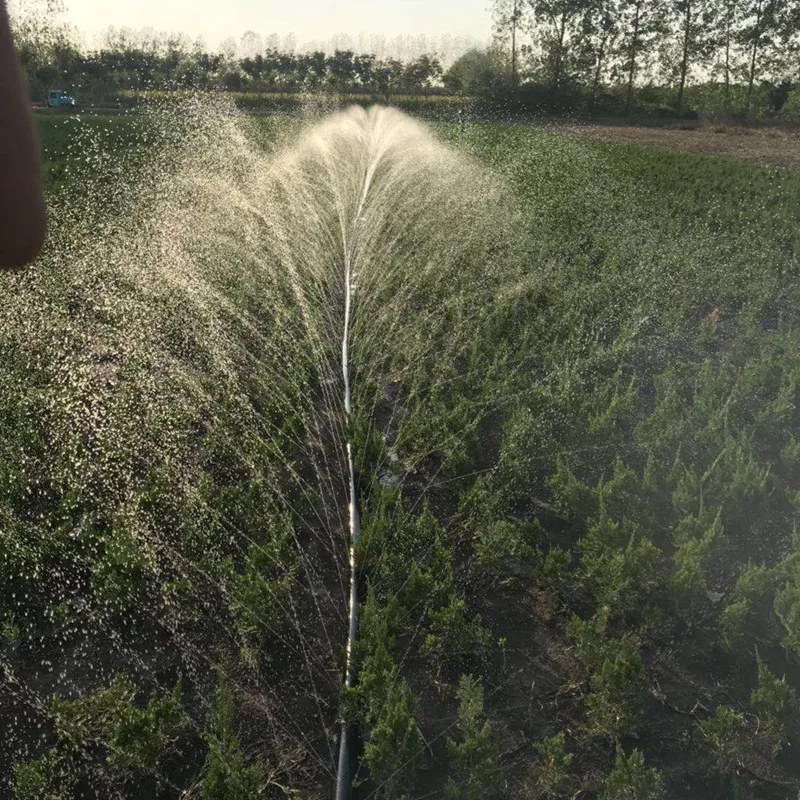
x=618 y=692
x=516 y=454
x=787 y=609
x=130 y=740
x=777 y=707
x=476 y=771
x=43 y=779
x=454 y=634
x=395 y=749
x=262 y=593
x=226 y=773
x=615 y=417
x=752 y=598
x=10 y=639
x=589 y=640
x=621 y=570
x=632 y=780
x=732 y=621
x=727 y=736
x=495 y=541
x=377 y=670
x=136 y=738
x=549 y=778
x=692 y=559
x=572 y=497
x=121 y=578
x=552 y=570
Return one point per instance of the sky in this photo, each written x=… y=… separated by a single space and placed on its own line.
x=309 y=20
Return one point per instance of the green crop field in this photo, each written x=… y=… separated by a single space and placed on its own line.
x=576 y=377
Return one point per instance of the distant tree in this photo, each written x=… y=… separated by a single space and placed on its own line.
x=311 y=69
x=641 y=23
x=389 y=77
x=342 y=69
x=289 y=43
x=475 y=73
x=286 y=69
x=559 y=24
x=232 y=81
x=509 y=16
x=251 y=44
x=766 y=30
x=421 y=73
x=228 y=48
x=693 y=28
x=600 y=28
x=727 y=20
x=365 y=68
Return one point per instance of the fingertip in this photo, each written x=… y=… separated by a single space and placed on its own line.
x=22 y=246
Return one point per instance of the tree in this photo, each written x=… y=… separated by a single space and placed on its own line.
x=632 y=780
x=228 y=47
x=422 y=73
x=600 y=27
x=694 y=28
x=766 y=29
x=641 y=22
x=508 y=19
x=559 y=23
x=476 y=73
x=251 y=44
x=39 y=33
x=727 y=21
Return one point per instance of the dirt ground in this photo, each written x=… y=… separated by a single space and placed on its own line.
x=778 y=147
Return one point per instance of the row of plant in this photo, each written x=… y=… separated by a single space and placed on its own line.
x=577 y=454
x=153 y=569
x=603 y=422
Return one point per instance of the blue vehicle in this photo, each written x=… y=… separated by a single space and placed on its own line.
x=58 y=99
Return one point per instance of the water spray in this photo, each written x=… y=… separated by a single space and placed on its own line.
x=201 y=305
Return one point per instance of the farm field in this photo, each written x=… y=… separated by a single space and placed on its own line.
x=575 y=370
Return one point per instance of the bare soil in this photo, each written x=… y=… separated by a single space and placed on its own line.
x=773 y=146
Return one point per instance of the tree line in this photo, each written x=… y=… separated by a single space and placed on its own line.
x=605 y=56
x=741 y=47
x=52 y=59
